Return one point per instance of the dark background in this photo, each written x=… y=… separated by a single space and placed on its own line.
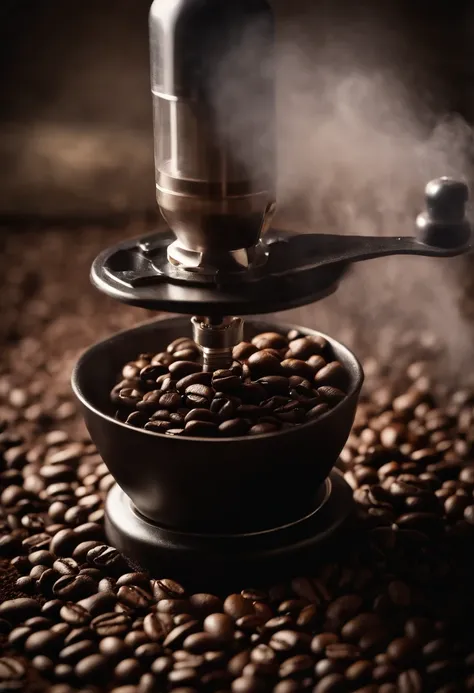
x=75 y=109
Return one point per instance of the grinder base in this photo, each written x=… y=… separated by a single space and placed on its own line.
x=277 y=552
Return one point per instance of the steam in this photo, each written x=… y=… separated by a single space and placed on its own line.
x=358 y=141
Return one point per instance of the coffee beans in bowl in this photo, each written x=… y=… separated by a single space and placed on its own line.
x=275 y=382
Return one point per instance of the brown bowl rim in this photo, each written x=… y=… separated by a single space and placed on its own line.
x=355 y=388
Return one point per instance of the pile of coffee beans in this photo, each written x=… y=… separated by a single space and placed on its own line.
x=275 y=382
x=391 y=614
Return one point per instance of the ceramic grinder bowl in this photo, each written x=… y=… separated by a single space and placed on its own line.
x=210 y=485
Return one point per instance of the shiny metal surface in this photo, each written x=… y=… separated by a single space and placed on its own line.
x=217 y=341
x=214 y=157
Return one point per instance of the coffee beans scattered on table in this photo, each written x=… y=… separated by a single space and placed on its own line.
x=393 y=614
x=275 y=382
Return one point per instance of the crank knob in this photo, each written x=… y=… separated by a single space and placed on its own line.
x=444 y=223
x=446 y=199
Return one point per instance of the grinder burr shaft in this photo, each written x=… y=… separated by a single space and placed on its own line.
x=213 y=101
x=216 y=340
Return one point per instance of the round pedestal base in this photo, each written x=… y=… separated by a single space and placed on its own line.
x=201 y=558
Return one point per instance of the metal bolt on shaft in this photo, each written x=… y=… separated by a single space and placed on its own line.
x=217 y=341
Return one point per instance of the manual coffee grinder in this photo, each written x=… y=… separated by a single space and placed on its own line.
x=228 y=504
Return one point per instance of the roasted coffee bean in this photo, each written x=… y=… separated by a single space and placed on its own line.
x=77 y=651
x=201 y=429
x=70 y=587
x=237 y=606
x=75 y=615
x=333 y=374
x=18 y=610
x=198 y=378
x=107 y=558
x=292 y=366
x=200 y=415
x=330 y=395
x=354 y=629
x=45 y=642
x=289 y=641
x=64 y=542
x=403 y=651
x=167 y=589
x=261 y=428
x=270 y=340
x=111 y=623
x=92 y=669
x=199 y=396
x=133 y=596
x=224 y=380
x=234 y=427
x=66 y=566
x=220 y=626
x=332 y=683
x=155 y=628
x=321 y=641
x=18 y=636
x=275 y=384
x=12 y=673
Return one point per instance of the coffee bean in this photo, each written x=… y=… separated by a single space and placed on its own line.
x=44 y=642
x=333 y=683
x=135 y=597
x=64 y=542
x=72 y=587
x=360 y=672
x=270 y=340
x=155 y=628
x=224 y=380
x=292 y=366
x=66 y=566
x=236 y=606
x=75 y=615
x=198 y=378
x=333 y=374
x=92 y=669
x=12 y=673
x=18 y=610
x=19 y=636
x=167 y=589
x=321 y=641
x=289 y=641
x=198 y=643
x=201 y=429
x=403 y=651
x=178 y=635
x=331 y=395
x=248 y=684
x=410 y=681
x=110 y=623
x=107 y=558
x=77 y=651
x=354 y=629
x=43 y=664
x=220 y=626
x=344 y=608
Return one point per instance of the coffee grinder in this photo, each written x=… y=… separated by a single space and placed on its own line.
x=244 y=503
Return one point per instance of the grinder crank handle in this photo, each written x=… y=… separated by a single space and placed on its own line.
x=441 y=231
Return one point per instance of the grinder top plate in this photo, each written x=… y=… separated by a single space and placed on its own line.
x=297 y=269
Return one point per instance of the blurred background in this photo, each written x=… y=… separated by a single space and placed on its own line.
x=375 y=97
x=75 y=112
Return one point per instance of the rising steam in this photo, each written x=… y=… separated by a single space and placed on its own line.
x=358 y=140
